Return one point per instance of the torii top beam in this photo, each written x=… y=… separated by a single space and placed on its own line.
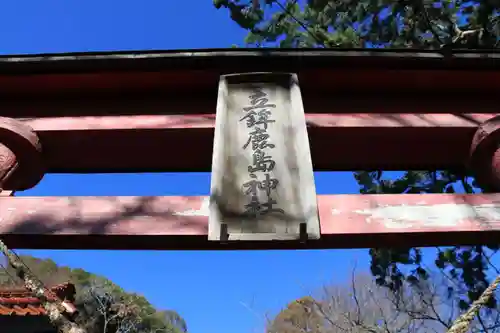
x=80 y=104
x=319 y=70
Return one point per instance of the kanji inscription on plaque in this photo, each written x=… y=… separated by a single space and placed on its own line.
x=262 y=178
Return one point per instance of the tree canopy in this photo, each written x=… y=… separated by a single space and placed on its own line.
x=431 y=24
x=420 y=24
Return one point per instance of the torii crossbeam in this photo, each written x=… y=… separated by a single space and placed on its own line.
x=155 y=111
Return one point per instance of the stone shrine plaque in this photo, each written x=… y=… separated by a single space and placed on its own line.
x=262 y=185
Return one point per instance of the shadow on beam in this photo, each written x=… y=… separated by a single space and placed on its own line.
x=181 y=223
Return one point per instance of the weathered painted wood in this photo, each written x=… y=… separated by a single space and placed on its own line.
x=398 y=141
x=189 y=123
x=262 y=185
x=341 y=69
x=401 y=132
x=347 y=221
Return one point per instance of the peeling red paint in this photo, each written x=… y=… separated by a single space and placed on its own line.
x=135 y=217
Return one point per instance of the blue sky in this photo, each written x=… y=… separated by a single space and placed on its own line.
x=216 y=292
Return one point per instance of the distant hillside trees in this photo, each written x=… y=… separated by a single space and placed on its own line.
x=103 y=306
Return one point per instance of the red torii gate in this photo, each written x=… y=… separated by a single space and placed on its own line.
x=155 y=111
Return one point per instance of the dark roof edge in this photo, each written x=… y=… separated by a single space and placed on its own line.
x=245 y=58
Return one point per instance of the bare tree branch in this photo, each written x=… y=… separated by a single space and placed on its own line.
x=364 y=307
